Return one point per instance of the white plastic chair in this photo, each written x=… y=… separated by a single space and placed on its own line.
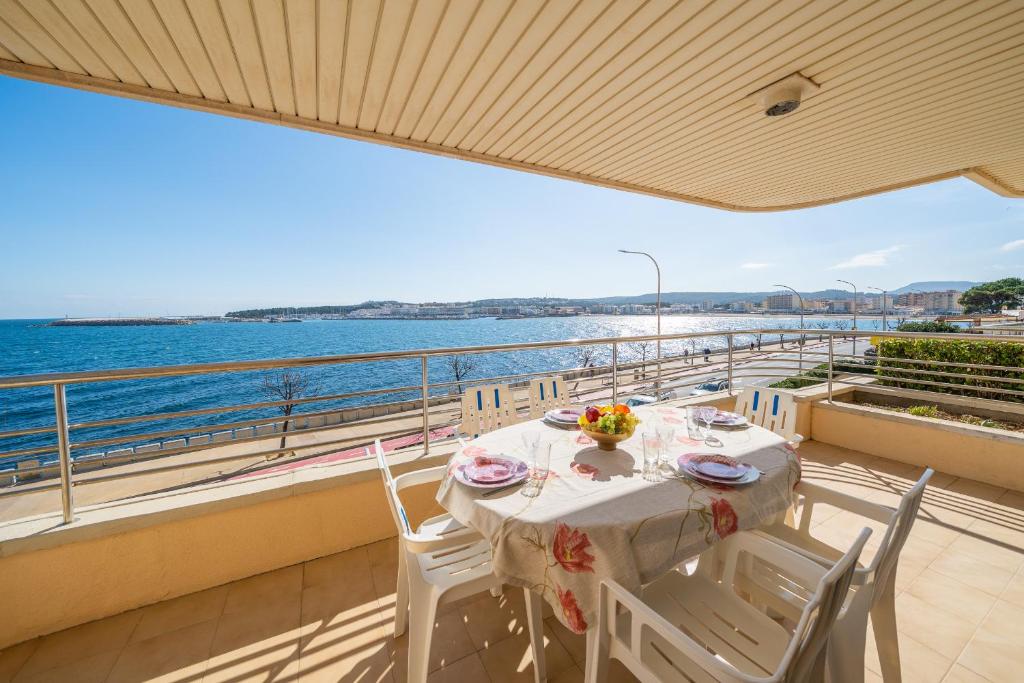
x=487 y=408
x=440 y=561
x=873 y=591
x=547 y=393
x=694 y=628
x=771 y=409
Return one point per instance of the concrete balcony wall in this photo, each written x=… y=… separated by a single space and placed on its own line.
x=118 y=557
x=988 y=455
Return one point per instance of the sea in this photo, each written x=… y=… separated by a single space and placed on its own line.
x=31 y=347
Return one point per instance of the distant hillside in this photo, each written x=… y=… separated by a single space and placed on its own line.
x=937 y=286
x=716 y=298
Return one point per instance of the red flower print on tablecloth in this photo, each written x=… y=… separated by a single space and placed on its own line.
x=474 y=452
x=673 y=420
x=584 y=470
x=724 y=517
x=571 y=610
x=584 y=440
x=688 y=441
x=570 y=550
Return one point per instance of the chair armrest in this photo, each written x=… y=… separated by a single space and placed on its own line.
x=417 y=477
x=613 y=595
x=812 y=493
x=426 y=543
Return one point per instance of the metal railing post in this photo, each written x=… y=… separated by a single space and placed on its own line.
x=615 y=373
x=729 y=375
x=60 y=409
x=426 y=405
x=831 y=352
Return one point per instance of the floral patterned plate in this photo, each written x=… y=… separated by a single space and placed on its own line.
x=519 y=471
x=691 y=465
x=723 y=418
x=485 y=470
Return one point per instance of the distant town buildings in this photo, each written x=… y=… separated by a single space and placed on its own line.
x=913 y=303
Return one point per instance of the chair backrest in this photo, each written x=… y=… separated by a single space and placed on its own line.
x=487 y=408
x=804 y=659
x=774 y=410
x=883 y=567
x=547 y=393
x=398 y=513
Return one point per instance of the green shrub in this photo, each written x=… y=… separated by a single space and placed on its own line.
x=976 y=382
x=924 y=411
x=929 y=326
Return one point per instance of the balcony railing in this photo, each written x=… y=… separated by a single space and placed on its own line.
x=431 y=408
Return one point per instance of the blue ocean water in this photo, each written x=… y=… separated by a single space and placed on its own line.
x=29 y=347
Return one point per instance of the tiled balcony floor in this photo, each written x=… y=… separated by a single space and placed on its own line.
x=960 y=607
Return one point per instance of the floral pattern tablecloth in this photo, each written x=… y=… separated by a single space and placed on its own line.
x=597 y=518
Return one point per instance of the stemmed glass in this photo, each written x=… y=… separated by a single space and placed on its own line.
x=707 y=416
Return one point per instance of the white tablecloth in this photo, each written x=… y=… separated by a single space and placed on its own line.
x=598 y=518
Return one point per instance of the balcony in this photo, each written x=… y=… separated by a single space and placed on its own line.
x=251 y=561
x=960 y=600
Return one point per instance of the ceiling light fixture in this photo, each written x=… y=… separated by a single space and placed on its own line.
x=783 y=97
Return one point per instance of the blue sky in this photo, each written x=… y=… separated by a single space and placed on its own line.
x=115 y=207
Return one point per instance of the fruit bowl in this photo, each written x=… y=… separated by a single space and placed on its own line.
x=605 y=441
x=608 y=425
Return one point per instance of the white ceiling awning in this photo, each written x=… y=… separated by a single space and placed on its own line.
x=651 y=97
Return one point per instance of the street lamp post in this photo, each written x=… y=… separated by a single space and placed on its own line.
x=885 y=294
x=657 y=314
x=845 y=282
x=801 y=322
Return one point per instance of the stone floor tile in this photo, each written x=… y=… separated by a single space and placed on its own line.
x=571 y=675
x=972 y=571
x=244 y=594
x=574 y=643
x=81 y=642
x=450 y=642
x=346 y=566
x=14 y=657
x=92 y=669
x=179 y=655
x=951 y=595
x=511 y=659
x=1014 y=591
x=187 y=610
x=927 y=623
x=489 y=620
x=997 y=648
x=992 y=552
x=469 y=669
x=259 y=643
x=918 y=663
x=383 y=552
x=961 y=674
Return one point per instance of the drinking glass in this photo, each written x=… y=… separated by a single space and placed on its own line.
x=666 y=437
x=706 y=418
x=539 y=462
x=696 y=426
x=652 y=452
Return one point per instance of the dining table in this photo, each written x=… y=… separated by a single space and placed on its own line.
x=596 y=517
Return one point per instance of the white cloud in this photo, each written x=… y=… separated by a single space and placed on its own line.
x=1012 y=246
x=755 y=266
x=871 y=259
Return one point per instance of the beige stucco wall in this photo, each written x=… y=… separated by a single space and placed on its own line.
x=962 y=450
x=49 y=588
